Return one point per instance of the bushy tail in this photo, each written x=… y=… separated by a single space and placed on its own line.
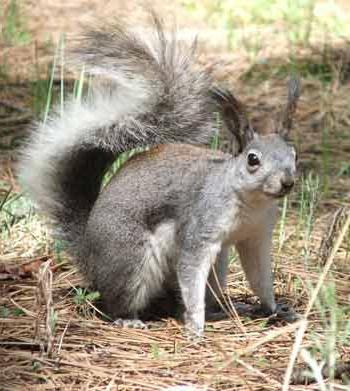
x=153 y=94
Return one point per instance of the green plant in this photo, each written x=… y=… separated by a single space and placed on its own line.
x=18 y=312
x=4 y=69
x=344 y=169
x=14 y=207
x=119 y=162
x=335 y=334
x=155 y=351
x=309 y=197
x=233 y=256
x=215 y=143
x=44 y=94
x=39 y=91
x=78 y=86
x=14 y=29
x=298 y=16
x=36 y=366
x=298 y=21
x=307 y=68
x=59 y=246
x=6 y=312
x=82 y=296
x=326 y=158
x=84 y=300
x=282 y=224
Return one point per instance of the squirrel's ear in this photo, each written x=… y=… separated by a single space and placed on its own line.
x=234 y=116
x=286 y=123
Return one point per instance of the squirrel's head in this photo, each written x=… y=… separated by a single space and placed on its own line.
x=266 y=164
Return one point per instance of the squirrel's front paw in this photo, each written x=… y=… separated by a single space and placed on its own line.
x=282 y=312
x=194 y=324
x=286 y=313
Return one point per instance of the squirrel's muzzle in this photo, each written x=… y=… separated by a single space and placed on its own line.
x=287 y=183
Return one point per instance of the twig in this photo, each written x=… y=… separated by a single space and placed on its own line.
x=32 y=346
x=62 y=337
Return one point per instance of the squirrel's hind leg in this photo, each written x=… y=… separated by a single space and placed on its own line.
x=130 y=323
x=132 y=271
x=150 y=276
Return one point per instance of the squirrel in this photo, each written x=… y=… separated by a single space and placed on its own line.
x=165 y=222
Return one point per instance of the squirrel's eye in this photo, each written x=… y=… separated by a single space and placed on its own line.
x=253 y=159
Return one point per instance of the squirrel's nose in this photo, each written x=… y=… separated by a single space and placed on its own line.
x=287 y=182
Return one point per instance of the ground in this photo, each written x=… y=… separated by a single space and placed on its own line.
x=52 y=337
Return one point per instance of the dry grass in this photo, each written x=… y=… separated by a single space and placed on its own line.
x=49 y=340
x=80 y=351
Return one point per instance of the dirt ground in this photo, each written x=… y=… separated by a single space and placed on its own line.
x=52 y=340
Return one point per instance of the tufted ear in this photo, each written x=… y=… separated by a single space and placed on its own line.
x=234 y=116
x=286 y=122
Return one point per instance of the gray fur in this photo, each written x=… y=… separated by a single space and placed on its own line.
x=170 y=213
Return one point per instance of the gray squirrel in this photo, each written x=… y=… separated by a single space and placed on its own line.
x=164 y=224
